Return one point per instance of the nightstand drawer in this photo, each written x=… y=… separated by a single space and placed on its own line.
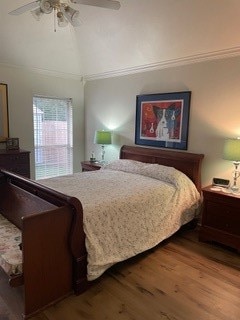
x=223 y=218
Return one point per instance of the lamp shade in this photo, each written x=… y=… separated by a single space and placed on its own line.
x=231 y=150
x=103 y=137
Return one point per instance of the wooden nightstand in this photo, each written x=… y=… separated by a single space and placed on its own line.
x=220 y=217
x=90 y=166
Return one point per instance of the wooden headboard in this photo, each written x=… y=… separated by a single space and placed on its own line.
x=188 y=163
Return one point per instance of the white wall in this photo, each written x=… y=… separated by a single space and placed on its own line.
x=214 y=112
x=22 y=85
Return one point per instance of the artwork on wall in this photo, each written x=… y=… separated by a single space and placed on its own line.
x=162 y=120
x=4 y=129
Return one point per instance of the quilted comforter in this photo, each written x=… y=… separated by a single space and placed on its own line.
x=128 y=207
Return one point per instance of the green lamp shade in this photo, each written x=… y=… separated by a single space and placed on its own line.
x=231 y=150
x=103 y=137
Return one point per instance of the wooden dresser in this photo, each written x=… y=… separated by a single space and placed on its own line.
x=17 y=161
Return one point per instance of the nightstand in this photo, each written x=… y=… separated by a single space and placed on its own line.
x=220 y=217
x=90 y=166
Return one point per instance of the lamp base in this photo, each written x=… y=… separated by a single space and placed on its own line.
x=235 y=189
x=236 y=175
x=103 y=155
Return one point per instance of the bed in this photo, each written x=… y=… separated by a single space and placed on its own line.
x=85 y=250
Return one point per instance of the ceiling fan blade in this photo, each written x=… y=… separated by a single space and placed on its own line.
x=109 y=4
x=26 y=7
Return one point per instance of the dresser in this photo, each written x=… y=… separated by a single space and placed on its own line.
x=17 y=161
x=220 y=217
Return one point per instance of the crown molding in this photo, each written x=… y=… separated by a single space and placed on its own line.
x=208 y=56
x=212 y=55
x=57 y=74
x=45 y=72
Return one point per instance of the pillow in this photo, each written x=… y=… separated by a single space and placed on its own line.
x=152 y=170
x=125 y=165
x=163 y=173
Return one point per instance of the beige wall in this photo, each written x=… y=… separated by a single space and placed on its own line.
x=22 y=85
x=111 y=104
x=214 y=112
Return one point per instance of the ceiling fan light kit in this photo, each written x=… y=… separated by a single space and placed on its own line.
x=71 y=15
x=63 y=13
x=62 y=22
x=37 y=13
x=47 y=6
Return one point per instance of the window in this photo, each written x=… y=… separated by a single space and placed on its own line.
x=52 y=120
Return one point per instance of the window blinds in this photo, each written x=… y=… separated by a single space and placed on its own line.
x=52 y=120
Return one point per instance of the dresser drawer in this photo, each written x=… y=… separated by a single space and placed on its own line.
x=15 y=167
x=225 y=218
x=13 y=159
x=17 y=161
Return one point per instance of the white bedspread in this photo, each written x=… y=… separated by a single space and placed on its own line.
x=128 y=208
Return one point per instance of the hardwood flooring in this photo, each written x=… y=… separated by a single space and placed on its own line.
x=181 y=279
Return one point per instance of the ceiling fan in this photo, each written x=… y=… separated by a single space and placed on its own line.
x=63 y=13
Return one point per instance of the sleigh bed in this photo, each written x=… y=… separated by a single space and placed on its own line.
x=54 y=226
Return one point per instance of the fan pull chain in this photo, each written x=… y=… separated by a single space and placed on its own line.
x=55 y=20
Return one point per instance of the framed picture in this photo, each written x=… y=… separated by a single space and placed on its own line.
x=12 y=143
x=4 y=129
x=162 y=120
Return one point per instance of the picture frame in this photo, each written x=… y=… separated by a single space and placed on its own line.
x=12 y=143
x=162 y=120
x=4 y=122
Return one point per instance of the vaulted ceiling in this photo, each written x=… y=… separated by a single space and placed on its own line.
x=142 y=35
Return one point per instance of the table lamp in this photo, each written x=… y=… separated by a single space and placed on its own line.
x=103 y=137
x=231 y=152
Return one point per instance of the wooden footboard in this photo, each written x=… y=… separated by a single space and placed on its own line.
x=53 y=240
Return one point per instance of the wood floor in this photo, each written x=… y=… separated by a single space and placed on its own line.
x=181 y=279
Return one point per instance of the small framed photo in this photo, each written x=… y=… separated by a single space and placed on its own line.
x=162 y=120
x=12 y=144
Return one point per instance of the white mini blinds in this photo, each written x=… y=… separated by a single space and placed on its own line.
x=52 y=120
